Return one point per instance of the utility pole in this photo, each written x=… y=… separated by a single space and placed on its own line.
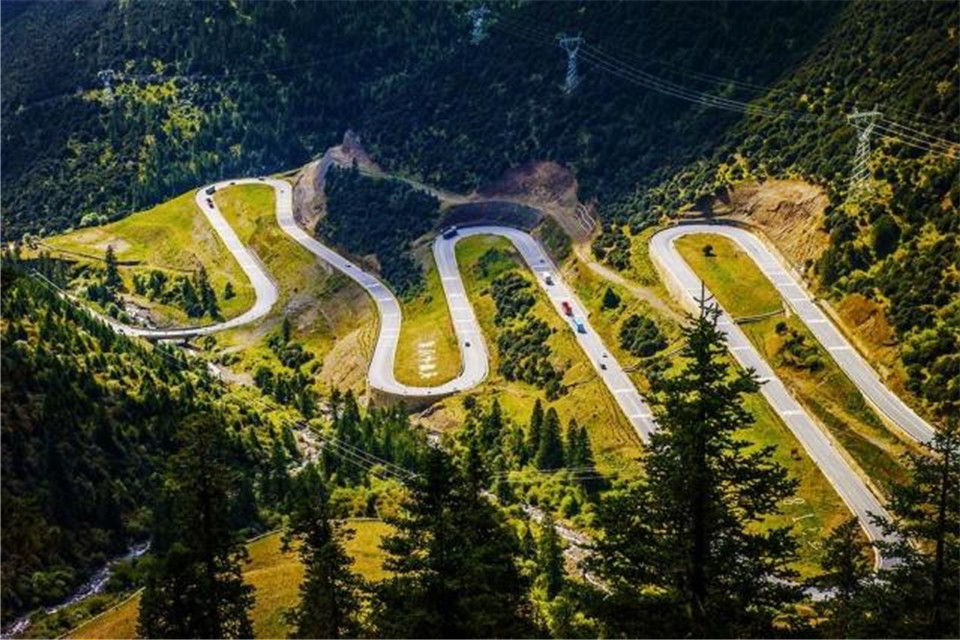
x=479 y=16
x=570 y=44
x=864 y=122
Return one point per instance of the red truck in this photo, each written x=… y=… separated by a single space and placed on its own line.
x=567 y=309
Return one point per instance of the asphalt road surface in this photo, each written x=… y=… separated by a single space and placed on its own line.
x=380 y=374
x=557 y=291
x=801 y=302
x=265 y=291
x=473 y=350
x=681 y=279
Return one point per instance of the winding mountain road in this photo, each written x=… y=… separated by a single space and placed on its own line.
x=265 y=291
x=677 y=275
x=687 y=286
x=674 y=269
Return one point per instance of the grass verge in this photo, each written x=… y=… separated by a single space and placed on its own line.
x=824 y=390
x=322 y=304
x=427 y=353
x=587 y=400
x=275 y=576
x=174 y=237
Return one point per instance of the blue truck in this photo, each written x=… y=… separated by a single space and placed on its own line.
x=579 y=325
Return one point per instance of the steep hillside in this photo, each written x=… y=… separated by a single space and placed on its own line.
x=88 y=419
x=160 y=97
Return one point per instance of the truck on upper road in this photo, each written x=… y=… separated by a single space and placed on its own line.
x=449 y=232
x=567 y=309
x=211 y=190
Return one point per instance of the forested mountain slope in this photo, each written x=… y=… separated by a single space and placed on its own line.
x=157 y=98
x=88 y=420
x=204 y=90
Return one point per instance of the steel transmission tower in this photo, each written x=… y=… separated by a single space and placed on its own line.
x=479 y=17
x=571 y=44
x=864 y=121
x=106 y=77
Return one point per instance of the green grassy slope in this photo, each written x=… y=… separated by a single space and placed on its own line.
x=587 y=400
x=427 y=353
x=826 y=392
x=174 y=237
x=322 y=304
x=275 y=576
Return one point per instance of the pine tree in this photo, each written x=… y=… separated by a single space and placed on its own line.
x=189 y=299
x=228 y=292
x=205 y=292
x=473 y=471
x=330 y=594
x=279 y=480
x=847 y=570
x=610 y=299
x=550 y=453
x=113 y=280
x=453 y=563
x=681 y=551
x=550 y=558
x=514 y=447
x=579 y=453
x=534 y=430
x=919 y=595
x=195 y=588
x=491 y=429
x=528 y=546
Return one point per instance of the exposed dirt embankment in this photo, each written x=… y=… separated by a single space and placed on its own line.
x=543 y=185
x=790 y=213
x=308 y=200
x=493 y=212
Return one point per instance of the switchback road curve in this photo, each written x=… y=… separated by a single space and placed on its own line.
x=473 y=351
x=265 y=291
x=678 y=273
x=687 y=287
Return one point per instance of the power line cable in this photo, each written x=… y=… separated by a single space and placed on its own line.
x=614 y=66
x=715 y=79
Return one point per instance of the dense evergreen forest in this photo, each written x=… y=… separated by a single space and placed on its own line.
x=160 y=97
x=88 y=420
x=476 y=550
x=378 y=216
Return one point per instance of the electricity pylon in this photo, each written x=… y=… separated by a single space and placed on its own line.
x=571 y=44
x=479 y=17
x=106 y=77
x=864 y=121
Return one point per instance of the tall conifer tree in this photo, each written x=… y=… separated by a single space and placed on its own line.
x=195 y=588
x=681 y=550
x=330 y=594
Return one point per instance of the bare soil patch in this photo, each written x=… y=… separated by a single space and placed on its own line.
x=544 y=185
x=790 y=213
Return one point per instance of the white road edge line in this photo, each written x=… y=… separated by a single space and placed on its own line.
x=681 y=280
